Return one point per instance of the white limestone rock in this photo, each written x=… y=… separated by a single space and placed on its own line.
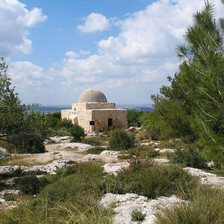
x=4 y=154
x=50 y=168
x=109 y=153
x=89 y=157
x=79 y=146
x=7 y=170
x=161 y=161
x=2 y=201
x=127 y=203
x=165 y=150
x=210 y=164
x=114 y=168
x=3 y=150
x=59 y=139
x=206 y=178
x=5 y=192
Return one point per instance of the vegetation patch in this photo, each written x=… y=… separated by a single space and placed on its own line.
x=76 y=132
x=120 y=140
x=206 y=206
x=188 y=157
x=151 y=180
x=137 y=216
x=142 y=152
x=95 y=150
x=95 y=141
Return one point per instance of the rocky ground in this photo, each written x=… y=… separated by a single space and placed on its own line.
x=126 y=204
x=61 y=153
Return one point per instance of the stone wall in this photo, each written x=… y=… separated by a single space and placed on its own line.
x=66 y=114
x=84 y=117
x=100 y=117
x=90 y=106
x=83 y=113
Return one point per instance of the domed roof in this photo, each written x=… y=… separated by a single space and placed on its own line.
x=92 y=95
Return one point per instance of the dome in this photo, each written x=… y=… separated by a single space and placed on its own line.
x=92 y=95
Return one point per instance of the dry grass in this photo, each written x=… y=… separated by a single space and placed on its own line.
x=24 y=160
x=206 y=207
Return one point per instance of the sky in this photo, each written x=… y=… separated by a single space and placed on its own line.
x=56 y=49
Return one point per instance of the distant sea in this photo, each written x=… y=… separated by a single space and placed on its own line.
x=58 y=108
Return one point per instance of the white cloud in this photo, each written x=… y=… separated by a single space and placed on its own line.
x=71 y=54
x=15 y=20
x=94 y=22
x=24 y=74
x=84 y=52
x=142 y=54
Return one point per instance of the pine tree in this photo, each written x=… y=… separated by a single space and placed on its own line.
x=198 y=88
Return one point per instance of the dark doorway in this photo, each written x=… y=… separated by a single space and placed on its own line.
x=110 y=122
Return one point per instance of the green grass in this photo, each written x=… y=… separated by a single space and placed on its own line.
x=137 y=216
x=72 y=195
x=95 y=141
x=95 y=150
x=141 y=152
x=151 y=180
x=206 y=207
x=174 y=144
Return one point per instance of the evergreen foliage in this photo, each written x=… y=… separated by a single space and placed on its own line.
x=133 y=117
x=76 y=132
x=120 y=140
x=19 y=127
x=193 y=106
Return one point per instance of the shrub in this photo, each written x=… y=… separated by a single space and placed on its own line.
x=133 y=117
x=58 y=132
x=71 y=197
x=188 y=157
x=76 y=132
x=95 y=150
x=142 y=152
x=143 y=135
x=64 y=123
x=137 y=216
x=28 y=184
x=27 y=143
x=95 y=141
x=145 y=178
x=120 y=140
x=51 y=120
x=205 y=207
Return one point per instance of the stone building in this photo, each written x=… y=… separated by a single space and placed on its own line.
x=94 y=113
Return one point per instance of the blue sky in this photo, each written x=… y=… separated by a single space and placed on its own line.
x=125 y=48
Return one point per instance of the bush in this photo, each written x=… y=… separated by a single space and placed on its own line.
x=120 y=140
x=145 y=178
x=28 y=184
x=64 y=123
x=27 y=143
x=51 y=120
x=72 y=197
x=95 y=150
x=95 y=141
x=76 y=132
x=205 y=207
x=189 y=157
x=133 y=117
x=142 y=152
